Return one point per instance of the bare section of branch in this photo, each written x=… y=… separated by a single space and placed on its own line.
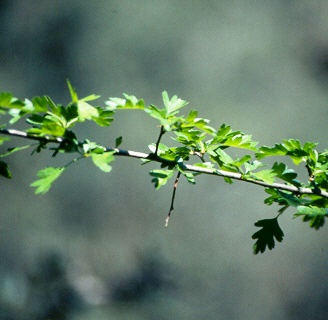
x=24 y=135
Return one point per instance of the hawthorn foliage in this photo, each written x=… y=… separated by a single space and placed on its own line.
x=198 y=149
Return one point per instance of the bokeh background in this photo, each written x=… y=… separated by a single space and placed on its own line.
x=95 y=247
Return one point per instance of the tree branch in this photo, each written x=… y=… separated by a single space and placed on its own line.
x=173 y=198
x=186 y=167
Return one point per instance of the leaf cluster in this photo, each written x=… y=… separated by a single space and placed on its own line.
x=197 y=148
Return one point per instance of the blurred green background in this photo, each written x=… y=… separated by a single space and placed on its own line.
x=95 y=247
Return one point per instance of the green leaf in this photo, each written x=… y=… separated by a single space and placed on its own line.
x=291 y=199
x=265 y=237
x=189 y=176
x=224 y=160
x=130 y=102
x=47 y=177
x=253 y=165
x=40 y=104
x=72 y=92
x=284 y=198
x=290 y=147
x=86 y=111
x=8 y=101
x=91 y=97
x=206 y=165
x=5 y=99
x=160 y=114
x=277 y=150
x=105 y=117
x=3 y=139
x=267 y=176
x=156 y=113
x=48 y=128
x=288 y=175
x=118 y=141
x=4 y=170
x=102 y=160
x=13 y=150
x=240 y=140
x=92 y=147
x=315 y=215
x=161 y=177
x=228 y=138
x=202 y=124
x=172 y=105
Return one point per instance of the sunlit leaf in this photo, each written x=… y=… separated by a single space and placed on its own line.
x=86 y=111
x=172 y=105
x=267 y=176
x=90 y=97
x=130 y=102
x=47 y=177
x=161 y=177
x=102 y=160
x=72 y=92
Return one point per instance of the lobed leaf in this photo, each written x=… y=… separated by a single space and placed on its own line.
x=161 y=177
x=47 y=177
x=102 y=160
x=281 y=170
x=315 y=215
x=266 y=236
x=267 y=176
x=172 y=105
x=86 y=111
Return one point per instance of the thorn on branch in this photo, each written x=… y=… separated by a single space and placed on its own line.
x=172 y=200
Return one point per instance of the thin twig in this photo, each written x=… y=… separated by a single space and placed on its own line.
x=172 y=200
x=162 y=131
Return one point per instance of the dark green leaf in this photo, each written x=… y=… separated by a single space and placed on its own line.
x=118 y=141
x=265 y=236
x=315 y=215
x=4 y=170
x=288 y=175
x=292 y=199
